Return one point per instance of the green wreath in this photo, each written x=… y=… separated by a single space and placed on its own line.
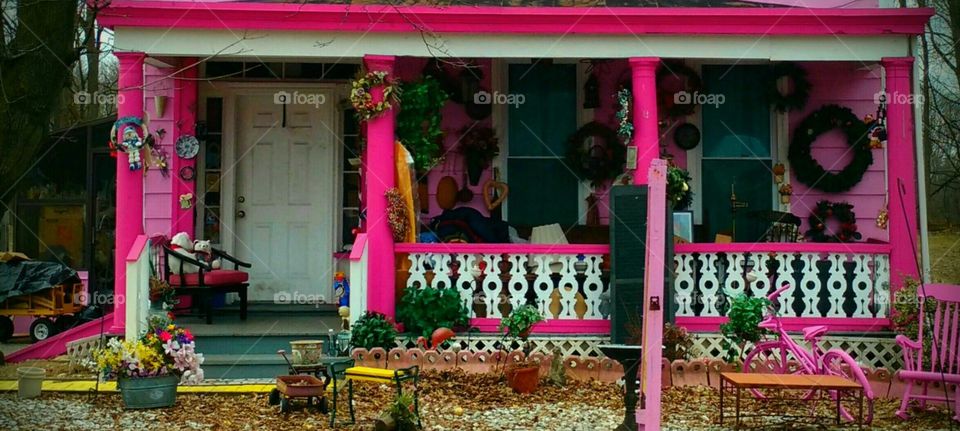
x=601 y=161
x=808 y=170
x=795 y=100
x=842 y=212
x=667 y=102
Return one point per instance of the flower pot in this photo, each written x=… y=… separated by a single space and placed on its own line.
x=30 y=380
x=523 y=380
x=306 y=351
x=148 y=392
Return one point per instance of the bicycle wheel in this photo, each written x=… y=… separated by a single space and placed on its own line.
x=772 y=357
x=838 y=363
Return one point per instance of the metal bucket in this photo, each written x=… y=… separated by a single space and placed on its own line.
x=149 y=392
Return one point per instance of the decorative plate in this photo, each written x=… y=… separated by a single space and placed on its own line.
x=187 y=147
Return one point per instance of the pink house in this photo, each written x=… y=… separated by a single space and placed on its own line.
x=291 y=188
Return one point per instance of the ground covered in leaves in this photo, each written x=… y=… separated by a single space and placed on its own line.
x=450 y=400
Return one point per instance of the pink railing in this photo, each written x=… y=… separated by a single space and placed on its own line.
x=844 y=286
x=567 y=282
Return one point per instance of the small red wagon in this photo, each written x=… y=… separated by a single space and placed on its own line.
x=302 y=386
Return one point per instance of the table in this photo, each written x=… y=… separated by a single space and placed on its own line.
x=737 y=382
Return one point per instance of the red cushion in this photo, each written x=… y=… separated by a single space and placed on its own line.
x=217 y=277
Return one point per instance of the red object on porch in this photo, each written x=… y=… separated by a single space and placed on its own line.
x=943 y=359
x=215 y=277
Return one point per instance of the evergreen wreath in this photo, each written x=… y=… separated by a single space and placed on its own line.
x=842 y=212
x=808 y=170
x=601 y=161
x=692 y=85
x=796 y=99
x=362 y=99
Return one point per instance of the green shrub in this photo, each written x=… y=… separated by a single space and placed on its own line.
x=373 y=330
x=745 y=315
x=422 y=311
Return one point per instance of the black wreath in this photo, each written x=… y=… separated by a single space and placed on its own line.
x=808 y=170
x=842 y=212
x=601 y=161
x=795 y=100
x=667 y=102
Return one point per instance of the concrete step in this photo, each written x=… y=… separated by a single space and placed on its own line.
x=252 y=366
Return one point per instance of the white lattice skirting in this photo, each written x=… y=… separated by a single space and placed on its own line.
x=574 y=345
x=871 y=351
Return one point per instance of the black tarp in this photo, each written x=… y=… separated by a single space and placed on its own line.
x=27 y=276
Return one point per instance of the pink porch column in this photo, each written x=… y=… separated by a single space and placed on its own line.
x=378 y=177
x=129 y=183
x=645 y=130
x=184 y=119
x=901 y=169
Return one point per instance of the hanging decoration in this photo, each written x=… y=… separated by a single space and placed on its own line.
x=673 y=102
x=883 y=217
x=591 y=88
x=397 y=214
x=625 y=123
x=877 y=126
x=842 y=212
x=686 y=136
x=479 y=146
x=362 y=99
x=808 y=171
x=779 y=171
x=419 y=120
x=158 y=153
x=794 y=100
x=187 y=147
x=135 y=133
x=786 y=190
x=678 y=188
x=187 y=173
x=595 y=153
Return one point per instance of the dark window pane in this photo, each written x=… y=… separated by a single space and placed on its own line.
x=226 y=69
x=542 y=191
x=263 y=70
x=303 y=70
x=214 y=115
x=740 y=125
x=340 y=71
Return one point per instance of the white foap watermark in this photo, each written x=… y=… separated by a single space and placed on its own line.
x=698 y=98
x=297 y=98
x=497 y=98
x=85 y=98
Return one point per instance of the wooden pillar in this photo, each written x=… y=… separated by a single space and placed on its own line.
x=378 y=177
x=901 y=170
x=646 y=134
x=654 y=301
x=129 y=205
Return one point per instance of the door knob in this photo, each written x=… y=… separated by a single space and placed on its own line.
x=241 y=199
x=241 y=214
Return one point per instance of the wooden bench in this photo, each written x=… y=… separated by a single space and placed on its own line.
x=345 y=371
x=737 y=382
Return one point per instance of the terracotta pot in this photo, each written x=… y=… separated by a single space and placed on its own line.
x=523 y=380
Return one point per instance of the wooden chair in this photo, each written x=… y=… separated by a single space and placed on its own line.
x=942 y=363
x=206 y=282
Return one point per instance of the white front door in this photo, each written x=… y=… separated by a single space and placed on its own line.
x=285 y=197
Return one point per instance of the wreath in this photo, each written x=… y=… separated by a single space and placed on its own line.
x=362 y=99
x=602 y=160
x=678 y=188
x=842 y=212
x=795 y=100
x=808 y=170
x=677 y=104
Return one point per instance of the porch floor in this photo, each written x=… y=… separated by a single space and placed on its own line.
x=267 y=319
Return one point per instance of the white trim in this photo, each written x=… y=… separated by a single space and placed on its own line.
x=921 y=173
x=265 y=45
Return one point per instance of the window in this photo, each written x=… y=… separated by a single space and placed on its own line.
x=737 y=156
x=211 y=144
x=350 y=182
x=542 y=189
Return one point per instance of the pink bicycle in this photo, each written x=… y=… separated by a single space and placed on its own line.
x=786 y=356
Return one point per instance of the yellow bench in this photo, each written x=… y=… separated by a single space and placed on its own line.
x=376 y=375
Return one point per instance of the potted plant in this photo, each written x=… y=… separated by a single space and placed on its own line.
x=522 y=377
x=149 y=369
x=373 y=330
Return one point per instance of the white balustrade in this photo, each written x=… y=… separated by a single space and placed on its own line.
x=491 y=284
x=828 y=284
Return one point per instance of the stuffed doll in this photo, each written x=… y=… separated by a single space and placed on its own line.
x=132 y=144
x=181 y=244
x=204 y=253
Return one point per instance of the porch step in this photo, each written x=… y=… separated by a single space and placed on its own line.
x=219 y=366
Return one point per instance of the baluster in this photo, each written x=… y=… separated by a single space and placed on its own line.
x=442 y=272
x=861 y=285
x=761 y=286
x=683 y=283
x=466 y=284
x=568 y=286
x=492 y=285
x=418 y=272
x=810 y=284
x=517 y=286
x=593 y=286
x=543 y=284
x=881 y=284
x=836 y=284
x=733 y=282
x=785 y=278
x=709 y=284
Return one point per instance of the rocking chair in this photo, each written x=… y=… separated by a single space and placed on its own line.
x=203 y=284
x=942 y=363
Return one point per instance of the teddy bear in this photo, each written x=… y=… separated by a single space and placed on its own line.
x=204 y=252
x=181 y=244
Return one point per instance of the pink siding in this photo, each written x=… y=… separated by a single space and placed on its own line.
x=157 y=213
x=852 y=85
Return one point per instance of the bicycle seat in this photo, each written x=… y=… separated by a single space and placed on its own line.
x=811 y=333
x=768 y=323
